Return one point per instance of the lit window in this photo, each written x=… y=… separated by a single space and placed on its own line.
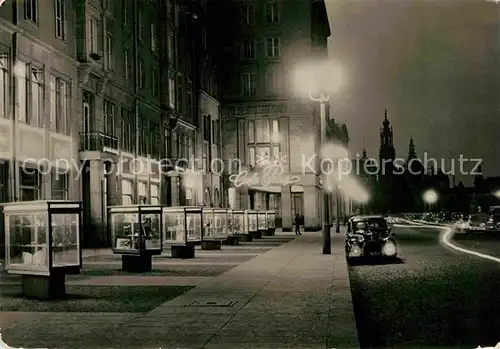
x=273 y=46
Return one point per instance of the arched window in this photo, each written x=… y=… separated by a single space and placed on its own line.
x=216 y=198
x=208 y=198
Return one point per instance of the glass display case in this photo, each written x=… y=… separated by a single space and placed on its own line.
x=229 y=223
x=42 y=236
x=220 y=223
x=240 y=222
x=261 y=222
x=182 y=225
x=136 y=229
x=271 y=222
x=208 y=224
x=43 y=244
x=252 y=221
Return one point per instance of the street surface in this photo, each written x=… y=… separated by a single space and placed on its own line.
x=434 y=298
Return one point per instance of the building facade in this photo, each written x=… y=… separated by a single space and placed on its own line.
x=262 y=115
x=38 y=89
x=102 y=102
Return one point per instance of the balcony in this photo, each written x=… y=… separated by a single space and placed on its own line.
x=98 y=141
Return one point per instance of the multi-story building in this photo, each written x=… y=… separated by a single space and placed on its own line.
x=39 y=91
x=110 y=89
x=262 y=115
x=121 y=122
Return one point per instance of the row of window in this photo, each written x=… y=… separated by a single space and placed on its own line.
x=263 y=139
x=272 y=47
x=30 y=184
x=273 y=82
x=30 y=102
x=144 y=196
x=248 y=13
x=31 y=12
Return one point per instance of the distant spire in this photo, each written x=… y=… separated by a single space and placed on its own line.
x=386 y=122
x=411 y=150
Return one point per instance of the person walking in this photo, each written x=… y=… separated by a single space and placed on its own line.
x=297 y=224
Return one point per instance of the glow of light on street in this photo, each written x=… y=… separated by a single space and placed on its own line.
x=430 y=196
x=348 y=186
x=313 y=78
x=497 y=194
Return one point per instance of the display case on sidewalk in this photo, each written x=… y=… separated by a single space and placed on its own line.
x=136 y=235
x=271 y=222
x=43 y=244
x=261 y=224
x=252 y=224
x=240 y=225
x=214 y=224
x=182 y=230
x=232 y=238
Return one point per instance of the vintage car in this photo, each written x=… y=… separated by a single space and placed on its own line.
x=369 y=236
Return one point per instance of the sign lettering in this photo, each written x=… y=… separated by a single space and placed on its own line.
x=272 y=174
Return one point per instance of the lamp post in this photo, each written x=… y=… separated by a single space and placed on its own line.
x=327 y=239
x=317 y=79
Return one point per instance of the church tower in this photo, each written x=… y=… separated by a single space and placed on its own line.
x=387 y=153
x=411 y=150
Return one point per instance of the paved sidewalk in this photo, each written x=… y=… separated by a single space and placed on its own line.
x=290 y=297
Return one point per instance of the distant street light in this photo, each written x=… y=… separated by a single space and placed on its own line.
x=430 y=197
x=497 y=194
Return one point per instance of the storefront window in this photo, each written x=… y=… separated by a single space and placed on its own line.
x=155 y=194
x=30 y=183
x=127 y=193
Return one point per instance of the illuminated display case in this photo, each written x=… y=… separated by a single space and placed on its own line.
x=240 y=222
x=229 y=223
x=182 y=225
x=271 y=222
x=208 y=224
x=135 y=229
x=220 y=224
x=253 y=230
x=43 y=244
x=261 y=222
x=136 y=235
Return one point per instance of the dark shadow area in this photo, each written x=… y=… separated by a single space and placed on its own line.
x=438 y=306
x=173 y=270
x=375 y=261
x=104 y=299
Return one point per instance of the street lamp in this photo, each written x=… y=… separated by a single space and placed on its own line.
x=430 y=197
x=315 y=80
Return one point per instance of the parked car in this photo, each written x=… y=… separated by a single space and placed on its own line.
x=369 y=236
x=493 y=223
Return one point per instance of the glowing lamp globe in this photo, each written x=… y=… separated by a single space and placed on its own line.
x=430 y=197
x=497 y=193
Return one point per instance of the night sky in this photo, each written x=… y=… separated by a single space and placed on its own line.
x=434 y=65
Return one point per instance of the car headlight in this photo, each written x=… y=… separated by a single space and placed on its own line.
x=389 y=249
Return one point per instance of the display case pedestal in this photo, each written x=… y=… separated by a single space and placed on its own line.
x=246 y=237
x=182 y=251
x=233 y=240
x=141 y=263
x=45 y=287
x=271 y=231
x=211 y=245
x=256 y=235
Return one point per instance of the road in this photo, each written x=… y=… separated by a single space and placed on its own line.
x=433 y=298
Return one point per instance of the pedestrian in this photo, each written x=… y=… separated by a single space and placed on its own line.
x=297 y=224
